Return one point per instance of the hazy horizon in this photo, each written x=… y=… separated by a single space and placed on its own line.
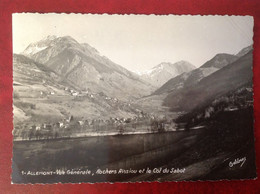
x=140 y=42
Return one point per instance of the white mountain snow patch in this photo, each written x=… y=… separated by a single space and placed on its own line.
x=34 y=49
x=161 y=73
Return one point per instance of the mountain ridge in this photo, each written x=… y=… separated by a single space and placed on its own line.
x=189 y=78
x=226 y=79
x=164 y=71
x=87 y=69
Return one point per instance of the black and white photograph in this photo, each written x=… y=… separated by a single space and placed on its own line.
x=132 y=98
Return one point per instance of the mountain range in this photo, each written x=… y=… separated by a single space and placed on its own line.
x=232 y=74
x=57 y=77
x=163 y=72
x=189 y=78
x=191 y=89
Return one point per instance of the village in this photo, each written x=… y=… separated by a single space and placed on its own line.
x=71 y=126
x=74 y=127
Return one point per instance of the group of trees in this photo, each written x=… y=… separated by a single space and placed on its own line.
x=33 y=134
x=74 y=127
x=235 y=100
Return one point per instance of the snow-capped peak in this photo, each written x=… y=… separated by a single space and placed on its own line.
x=36 y=47
x=50 y=37
x=32 y=50
x=165 y=71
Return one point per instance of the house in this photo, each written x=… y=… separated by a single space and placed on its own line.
x=47 y=126
x=249 y=89
x=81 y=123
x=231 y=108
x=33 y=127
x=59 y=124
x=69 y=119
x=85 y=92
x=75 y=94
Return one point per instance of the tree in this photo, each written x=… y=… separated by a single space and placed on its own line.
x=120 y=129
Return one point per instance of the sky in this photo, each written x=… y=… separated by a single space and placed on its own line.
x=140 y=42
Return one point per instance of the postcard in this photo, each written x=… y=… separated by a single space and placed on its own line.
x=132 y=98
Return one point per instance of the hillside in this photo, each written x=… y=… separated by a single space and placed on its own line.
x=42 y=96
x=244 y=51
x=227 y=79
